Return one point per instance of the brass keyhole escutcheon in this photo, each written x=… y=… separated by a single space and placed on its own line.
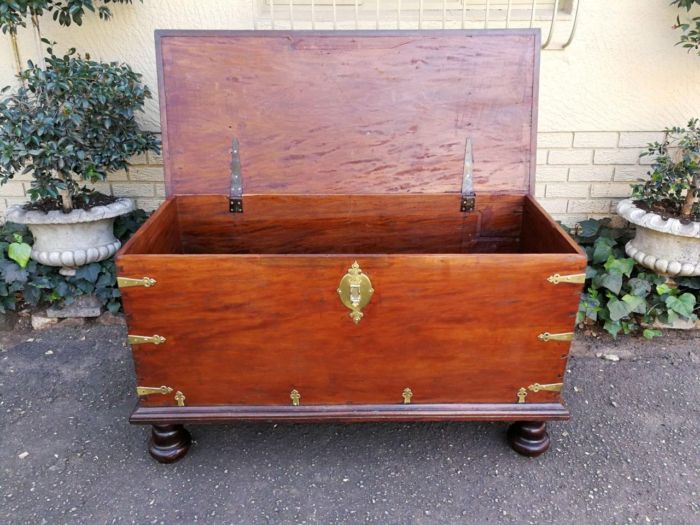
x=355 y=291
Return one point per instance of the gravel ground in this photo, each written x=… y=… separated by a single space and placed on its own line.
x=630 y=454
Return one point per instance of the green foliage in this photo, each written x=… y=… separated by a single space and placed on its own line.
x=674 y=179
x=19 y=251
x=73 y=121
x=36 y=284
x=690 y=29
x=621 y=296
x=14 y=13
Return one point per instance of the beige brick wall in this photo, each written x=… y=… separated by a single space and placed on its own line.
x=579 y=174
x=585 y=174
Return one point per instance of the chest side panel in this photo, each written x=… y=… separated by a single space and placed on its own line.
x=247 y=330
x=348 y=112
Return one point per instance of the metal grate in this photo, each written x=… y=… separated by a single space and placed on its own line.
x=556 y=18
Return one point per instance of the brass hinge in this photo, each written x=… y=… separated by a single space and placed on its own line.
x=537 y=387
x=407 y=395
x=163 y=390
x=235 y=198
x=575 y=278
x=546 y=336
x=148 y=390
x=142 y=339
x=295 y=396
x=128 y=282
x=468 y=200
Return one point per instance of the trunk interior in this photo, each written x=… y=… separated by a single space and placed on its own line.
x=350 y=224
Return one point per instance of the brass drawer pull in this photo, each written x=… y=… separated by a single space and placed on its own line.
x=355 y=291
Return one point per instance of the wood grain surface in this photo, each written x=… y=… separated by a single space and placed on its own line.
x=247 y=329
x=296 y=224
x=348 y=112
x=326 y=224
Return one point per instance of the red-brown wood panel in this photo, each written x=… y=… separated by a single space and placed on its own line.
x=416 y=223
x=348 y=112
x=247 y=329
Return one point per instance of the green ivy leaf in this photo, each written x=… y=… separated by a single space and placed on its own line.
x=624 y=266
x=663 y=289
x=612 y=327
x=636 y=304
x=589 y=227
x=19 y=252
x=682 y=305
x=602 y=249
x=650 y=333
x=639 y=287
x=618 y=309
x=11 y=272
x=611 y=280
x=89 y=272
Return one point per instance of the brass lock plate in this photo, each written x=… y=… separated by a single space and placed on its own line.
x=355 y=291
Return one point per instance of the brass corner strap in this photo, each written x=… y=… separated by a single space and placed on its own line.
x=565 y=336
x=575 y=278
x=128 y=282
x=143 y=339
x=163 y=390
x=537 y=387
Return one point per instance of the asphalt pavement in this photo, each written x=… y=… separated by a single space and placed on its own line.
x=630 y=454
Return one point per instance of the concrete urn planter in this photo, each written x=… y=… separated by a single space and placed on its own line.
x=666 y=246
x=72 y=239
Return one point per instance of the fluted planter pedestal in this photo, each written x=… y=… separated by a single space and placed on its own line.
x=667 y=246
x=70 y=240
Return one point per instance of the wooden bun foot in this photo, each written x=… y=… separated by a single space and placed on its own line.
x=529 y=438
x=169 y=443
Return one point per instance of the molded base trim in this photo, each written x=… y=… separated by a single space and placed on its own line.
x=351 y=413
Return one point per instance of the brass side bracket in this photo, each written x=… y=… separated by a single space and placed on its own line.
x=537 y=387
x=407 y=395
x=148 y=390
x=295 y=396
x=163 y=390
x=576 y=278
x=128 y=282
x=551 y=387
x=546 y=336
x=143 y=339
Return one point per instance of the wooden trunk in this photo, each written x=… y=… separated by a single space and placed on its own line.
x=352 y=149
